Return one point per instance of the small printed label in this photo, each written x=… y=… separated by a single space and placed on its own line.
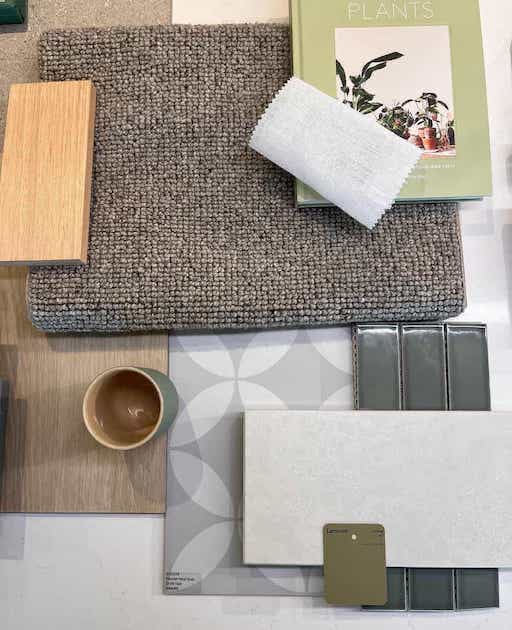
x=178 y=582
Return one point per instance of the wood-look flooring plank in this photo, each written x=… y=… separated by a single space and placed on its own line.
x=52 y=464
x=46 y=173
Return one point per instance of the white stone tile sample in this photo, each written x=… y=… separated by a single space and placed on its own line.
x=439 y=482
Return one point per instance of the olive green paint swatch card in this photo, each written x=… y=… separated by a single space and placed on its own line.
x=355 y=565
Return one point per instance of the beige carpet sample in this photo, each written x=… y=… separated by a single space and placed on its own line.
x=192 y=230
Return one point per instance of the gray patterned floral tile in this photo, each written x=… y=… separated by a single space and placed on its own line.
x=217 y=378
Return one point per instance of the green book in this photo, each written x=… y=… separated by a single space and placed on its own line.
x=417 y=67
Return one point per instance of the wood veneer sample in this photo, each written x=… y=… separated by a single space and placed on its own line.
x=51 y=463
x=45 y=185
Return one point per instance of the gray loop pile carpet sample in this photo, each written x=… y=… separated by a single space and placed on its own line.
x=191 y=230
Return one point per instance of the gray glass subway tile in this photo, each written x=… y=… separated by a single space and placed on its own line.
x=397 y=597
x=424 y=367
x=431 y=589
x=477 y=588
x=377 y=367
x=468 y=368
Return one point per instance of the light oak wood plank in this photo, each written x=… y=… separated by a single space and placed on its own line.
x=45 y=186
x=52 y=464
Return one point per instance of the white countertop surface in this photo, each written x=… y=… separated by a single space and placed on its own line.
x=440 y=484
x=85 y=572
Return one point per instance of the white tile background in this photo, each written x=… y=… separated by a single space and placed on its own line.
x=106 y=572
x=439 y=482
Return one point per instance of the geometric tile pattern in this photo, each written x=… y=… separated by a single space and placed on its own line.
x=217 y=377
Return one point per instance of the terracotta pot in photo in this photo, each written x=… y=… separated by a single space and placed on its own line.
x=429 y=139
x=427 y=132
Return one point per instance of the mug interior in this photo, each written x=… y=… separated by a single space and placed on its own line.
x=122 y=408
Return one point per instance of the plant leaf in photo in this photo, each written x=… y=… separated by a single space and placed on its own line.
x=355 y=95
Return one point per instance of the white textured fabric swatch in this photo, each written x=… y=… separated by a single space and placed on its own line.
x=345 y=156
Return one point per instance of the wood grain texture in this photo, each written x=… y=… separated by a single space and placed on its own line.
x=46 y=173
x=52 y=464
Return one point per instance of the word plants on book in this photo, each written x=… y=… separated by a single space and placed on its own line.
x=396 y=9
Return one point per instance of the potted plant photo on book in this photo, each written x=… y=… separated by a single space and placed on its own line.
x=382 y=86
x=398 y=120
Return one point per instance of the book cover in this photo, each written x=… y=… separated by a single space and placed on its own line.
x=416 y=67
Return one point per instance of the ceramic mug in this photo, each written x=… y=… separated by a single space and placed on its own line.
x=126 y=407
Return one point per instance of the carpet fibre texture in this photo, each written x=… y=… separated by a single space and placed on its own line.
x=191 y=230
